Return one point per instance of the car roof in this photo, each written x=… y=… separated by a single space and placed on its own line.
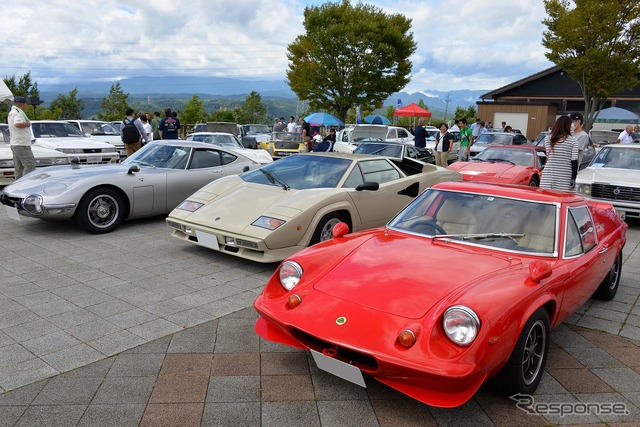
x=519 y=147
x=387 y=143
x=535 y=194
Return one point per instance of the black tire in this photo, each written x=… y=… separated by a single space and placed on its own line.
x=324 y=229
x=100 y=211
x=534 y=181
x=525 y=367
x=609 y=286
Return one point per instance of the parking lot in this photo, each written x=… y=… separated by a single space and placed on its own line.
x=136 y=327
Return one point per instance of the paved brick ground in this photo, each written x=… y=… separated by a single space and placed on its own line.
x=134 y=328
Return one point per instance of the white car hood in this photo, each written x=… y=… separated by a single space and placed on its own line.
x=38 y=152
x=259 y=156
x=72 y=142
x=369 y=131
x=613 y=176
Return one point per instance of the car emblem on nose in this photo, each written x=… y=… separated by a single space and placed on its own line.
x=616 y=192
x=341 y=320
x=217 y=218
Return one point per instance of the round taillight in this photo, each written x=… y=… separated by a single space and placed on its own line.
x=407 y=338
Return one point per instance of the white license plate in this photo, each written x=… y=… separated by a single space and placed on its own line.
x=13 y=213
x=621 y=214
x=94 y=159
x=208 y=240
x=339 y=368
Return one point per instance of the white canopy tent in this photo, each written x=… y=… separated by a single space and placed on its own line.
x=5 y=93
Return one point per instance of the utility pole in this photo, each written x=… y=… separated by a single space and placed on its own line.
x=446 y=106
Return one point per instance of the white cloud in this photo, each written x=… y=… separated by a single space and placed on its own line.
x=461 y=44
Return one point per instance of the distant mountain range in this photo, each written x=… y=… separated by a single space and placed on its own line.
x=148 y=88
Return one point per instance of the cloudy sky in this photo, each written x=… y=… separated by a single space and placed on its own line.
x=460 y=44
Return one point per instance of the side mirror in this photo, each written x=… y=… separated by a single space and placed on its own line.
x=75 y=162
x=539 y=270
x=340 y=229
x=369 y=186
x=133 y=168
x=246 y=169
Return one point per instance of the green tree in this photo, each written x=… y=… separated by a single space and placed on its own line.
x=253 y=109
x=194 y=111
x=350 y=55
x=70 y=107
x=113 y=107
x=223 y=115
x=22 y=86
x=597 y=42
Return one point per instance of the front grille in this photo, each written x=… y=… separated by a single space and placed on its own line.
x=247 y=244
x=615 y=192
x=361 y=360
x=11 y=201
x=288 y=145
x=92 y=150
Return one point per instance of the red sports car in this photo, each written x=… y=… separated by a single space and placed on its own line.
x=504 y=164
x=386 y=302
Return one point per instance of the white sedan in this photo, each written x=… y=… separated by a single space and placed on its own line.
x=227 y=140
x=43 y=156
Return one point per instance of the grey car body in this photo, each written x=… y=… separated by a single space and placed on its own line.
x=152 y=181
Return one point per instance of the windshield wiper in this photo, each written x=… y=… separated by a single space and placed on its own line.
x=273 y=178
x=143 y=163
x=501 y=161
x=481 y=236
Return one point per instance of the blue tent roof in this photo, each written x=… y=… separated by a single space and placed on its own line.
x=617 y=115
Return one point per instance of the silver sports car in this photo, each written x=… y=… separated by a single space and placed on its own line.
x=152 y=181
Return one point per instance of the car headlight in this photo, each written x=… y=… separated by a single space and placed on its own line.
x=304 y=150
x=33 y=204
x=6 y=163
x=583 y=189
x=290 y=274
x=109 y=150
x=270 y=149
x=71 y=150
x=191 y=206
x=268 y=222
x=461 y=325
x=61 y=160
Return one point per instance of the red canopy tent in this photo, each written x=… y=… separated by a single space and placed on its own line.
x=412 y=110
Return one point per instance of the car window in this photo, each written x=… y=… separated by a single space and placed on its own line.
x=581 y=236
x=55 y=130
x=205 y=159
x=392 y=133
x=379 y=171
x=227 y=158
x=618 y=158
x=412 y=153
x=301 y=172
x=161 y=156
x=402 y=133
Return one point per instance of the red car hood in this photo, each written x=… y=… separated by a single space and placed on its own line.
x=405 y=275
x=469 y=170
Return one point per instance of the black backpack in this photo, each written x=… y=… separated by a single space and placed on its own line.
x=130 y=133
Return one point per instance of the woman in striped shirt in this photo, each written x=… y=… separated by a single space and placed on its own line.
x=561 y=167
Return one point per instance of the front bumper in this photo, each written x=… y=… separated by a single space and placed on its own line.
x=28 y=208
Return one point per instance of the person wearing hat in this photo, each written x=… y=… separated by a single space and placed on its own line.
x=579 y=134
x=20 y=138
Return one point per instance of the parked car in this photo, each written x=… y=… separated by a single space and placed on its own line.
x=117 y=125
x=152 y=181
x=383 y=302
x=508 y=164
x=231 y=141
x=283 y=144
x=398 y=150
x=66 y=138
x=43 y=156
x=269 y=214
x=252 y=134
x=587 y=156
x=495 y=138
x=101 y=131
x=349 y=138
x=613 y=176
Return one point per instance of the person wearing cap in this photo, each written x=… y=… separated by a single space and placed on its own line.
x=579 y=134
x=20 y=138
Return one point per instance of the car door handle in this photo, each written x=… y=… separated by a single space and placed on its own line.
x=603 y=250
x=216 y=171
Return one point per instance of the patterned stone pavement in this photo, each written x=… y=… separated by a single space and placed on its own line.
x=137 y=328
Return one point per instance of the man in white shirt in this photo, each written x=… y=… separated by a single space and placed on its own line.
x=625 y=136
x=475 y=129
x=291 y=126
x=20 y=138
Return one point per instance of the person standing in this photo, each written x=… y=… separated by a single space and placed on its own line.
x=466 y=141
x=291 y=126
x=130 y=126
x=444 y=143
x=280 y=126
x=475 y=129
x=625 y=136
x=148 y=131
x=561 y=167
x=420 y=134
x=155 y=124
x=20 y=138
x=306 y=133
x=169 y=126
x=582 y=138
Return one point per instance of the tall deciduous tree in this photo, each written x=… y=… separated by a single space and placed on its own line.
x=350 y=55
x=70 y=107
x=113 y=107
x=597 y=42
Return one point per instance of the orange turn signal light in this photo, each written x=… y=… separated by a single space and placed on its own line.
x=407 y=338
x=294 y=301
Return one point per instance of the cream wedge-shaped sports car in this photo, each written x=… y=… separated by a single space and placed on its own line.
x=268 y=214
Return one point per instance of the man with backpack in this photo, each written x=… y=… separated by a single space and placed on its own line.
x=132 y=133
